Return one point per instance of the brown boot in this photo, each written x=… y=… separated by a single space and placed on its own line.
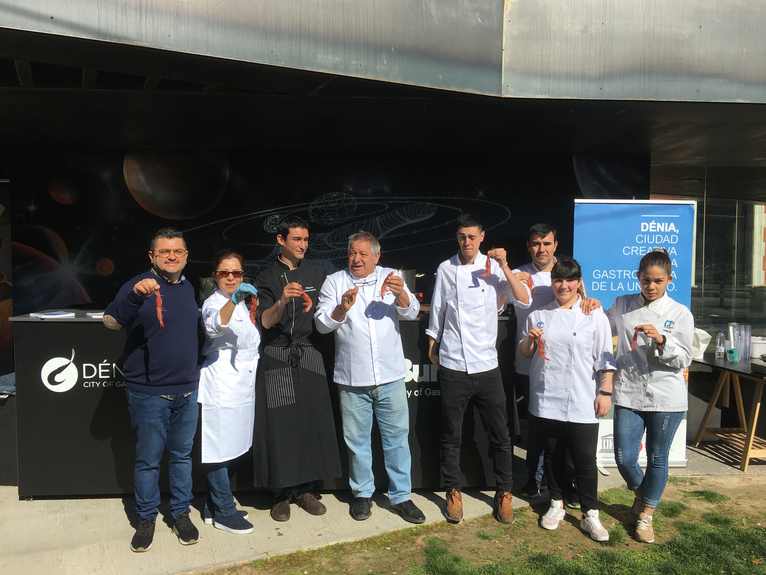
x=504 y=507
x=644 y=529
x=310 y=504
x=454 y=506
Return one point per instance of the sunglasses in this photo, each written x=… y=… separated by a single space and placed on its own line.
x=224 y=273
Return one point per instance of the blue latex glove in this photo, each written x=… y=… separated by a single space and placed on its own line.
x=243 y=291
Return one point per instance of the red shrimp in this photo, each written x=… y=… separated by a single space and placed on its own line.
x=253 y=306
x=158 y=308
x=530 y=282
x=541 y=348
x=634 y=341
x=307 y=302
x=384 y=286
x=487 y=268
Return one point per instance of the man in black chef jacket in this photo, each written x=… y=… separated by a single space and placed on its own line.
x=295 y=445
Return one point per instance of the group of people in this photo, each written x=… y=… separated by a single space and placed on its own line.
x=253 y=360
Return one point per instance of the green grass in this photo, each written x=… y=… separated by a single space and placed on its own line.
x=617 y=496
x=617 y=535
x=677 y=480
x=704 y=548
x=707 y=495
x=671 y=508
x=717 y=519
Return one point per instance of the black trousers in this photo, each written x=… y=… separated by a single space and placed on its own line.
x=485 y=389
x=581 y=439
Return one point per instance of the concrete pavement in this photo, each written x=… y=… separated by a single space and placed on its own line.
x=91 y=536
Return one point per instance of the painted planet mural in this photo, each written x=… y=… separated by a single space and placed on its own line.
x=176 y=186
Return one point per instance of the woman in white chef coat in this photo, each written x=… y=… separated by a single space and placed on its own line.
x=654 y=347
x=570 y=378
x=227 y=387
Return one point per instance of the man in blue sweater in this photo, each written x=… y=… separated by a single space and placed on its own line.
x=159 y=310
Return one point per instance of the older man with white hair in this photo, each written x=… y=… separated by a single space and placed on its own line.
x=362 y=305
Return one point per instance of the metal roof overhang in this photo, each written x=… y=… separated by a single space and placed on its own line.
x=685 y=50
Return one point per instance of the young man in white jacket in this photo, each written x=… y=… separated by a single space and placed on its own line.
x=362 y=305
x=470 y=290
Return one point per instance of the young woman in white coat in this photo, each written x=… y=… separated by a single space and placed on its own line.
x=227 y=387
x=570 y=381
x=654 y=347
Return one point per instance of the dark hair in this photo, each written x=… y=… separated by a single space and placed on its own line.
x=166 y=233
x=542 y=230
x=566 y=268
x=659 y=258
x=226 y=254
x=468 y=221
x=289 y=223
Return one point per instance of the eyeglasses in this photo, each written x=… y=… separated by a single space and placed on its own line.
x=236 y=274
x=178 y=252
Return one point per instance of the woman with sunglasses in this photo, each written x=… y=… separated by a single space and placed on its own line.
x=570 y=380
x=227 y=387
x=654 y=347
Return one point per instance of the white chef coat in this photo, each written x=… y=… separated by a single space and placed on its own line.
x=368 y=347
x=542 y=295
x=227 y=381
x=650 y=380
x=464 y=311
x=577 y=346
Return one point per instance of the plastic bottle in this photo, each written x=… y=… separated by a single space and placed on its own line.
x=720 y=345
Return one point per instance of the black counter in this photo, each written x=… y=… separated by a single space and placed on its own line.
x=74 y=434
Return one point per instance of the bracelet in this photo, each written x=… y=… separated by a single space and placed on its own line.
x=604 y=392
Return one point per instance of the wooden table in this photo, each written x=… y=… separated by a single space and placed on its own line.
x=730 y=379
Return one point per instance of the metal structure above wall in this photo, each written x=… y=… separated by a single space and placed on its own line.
x=688 y=50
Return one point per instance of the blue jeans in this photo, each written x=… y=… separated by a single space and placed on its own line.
x=161 y=423
x=220 y=500
x=660 y=426
x=388 y=403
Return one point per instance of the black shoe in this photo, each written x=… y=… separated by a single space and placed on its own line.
x=143 y=537
x=409 y=512
x=532 y=489
x=361 y=508
x=309 y=503
x=572 y=500
x=280 y=510
x=185 y=530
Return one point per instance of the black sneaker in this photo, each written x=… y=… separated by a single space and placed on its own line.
x=361 y=508
x=207 y=517
x=572 y=500
x=409 y=512
x=532 y=489
x=233 y=524
x=143 y=537
x=185 y=530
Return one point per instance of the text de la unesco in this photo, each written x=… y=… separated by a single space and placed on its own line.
x=651 y=236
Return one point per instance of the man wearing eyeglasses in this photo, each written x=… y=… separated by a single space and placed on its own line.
x=159 y=310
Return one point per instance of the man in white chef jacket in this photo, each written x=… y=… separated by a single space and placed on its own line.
x=471 y=289
x=362 y=306
x=541 y=245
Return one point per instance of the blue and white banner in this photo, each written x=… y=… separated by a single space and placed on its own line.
x=611 y=236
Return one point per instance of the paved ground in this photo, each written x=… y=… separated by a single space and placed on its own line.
x=83 y=536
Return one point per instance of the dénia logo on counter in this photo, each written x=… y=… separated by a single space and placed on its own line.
x=61 y=374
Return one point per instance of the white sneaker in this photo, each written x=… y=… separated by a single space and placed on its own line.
x=592 y=526
x=554 y=515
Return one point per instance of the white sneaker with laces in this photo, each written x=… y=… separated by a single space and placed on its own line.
x=554 y=515
x=592 y=526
